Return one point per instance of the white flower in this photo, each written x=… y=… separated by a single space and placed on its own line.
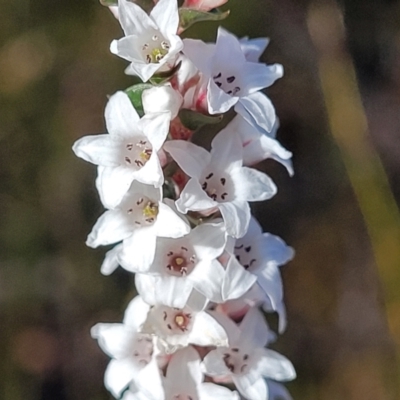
x=183 y=381
x=259 y=145
x=130 y=350
x=253 y=48
x=151 y=41
x=261 y=254
x=137 y=221
x=246 y=360
x=219 y=181
x=234 y=81
x=128 y=152
x=178 y=327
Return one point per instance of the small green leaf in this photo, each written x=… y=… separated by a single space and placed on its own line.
x=108 y=3
x=165 y=76
x=189 y=16
x=135 y=95
x=194 y=120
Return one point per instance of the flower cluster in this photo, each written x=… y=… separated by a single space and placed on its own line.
x=179 y=215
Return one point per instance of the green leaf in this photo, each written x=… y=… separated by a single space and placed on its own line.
x=135 y=95
x=165 y=76
x=194 y=120
x=108 y=3
x=189 y=16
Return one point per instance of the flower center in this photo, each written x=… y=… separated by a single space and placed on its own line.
x=245 y=255
x=228 y=83
x=155 y=48
x=142 y=210
x=180 y=261
x=236 y=361
x=136 y=154
x=175 y=321
x=218 y=187
x=143 y=349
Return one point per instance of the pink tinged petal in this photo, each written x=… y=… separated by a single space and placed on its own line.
x=218 y=100
x=273 y=365
x=159 y=99
x=208 y=240
x=118 y=375
x=211 y=391
x=114 y=339
x=236 y=216
x=136 y=313
x=259 y=76
x=276 y=250
x=155 y=126
x=237 y=280
x=99 y=150
x=110 y=228
x=184 y=369
x=207 y=278
x=165 y=14
x=257 y=109
x=133 y=18
x=252 y=185
x=255 y=329
x=172 y=291
x=226 y=151
x=200 y=54
x=254 y=390
x=113 y=183
x=191 y=158
x=121 y=117
x=206 y=331
x=138 y=250
x=277 y=391
x=170 y=224
x=194 y=198
x=111 y=263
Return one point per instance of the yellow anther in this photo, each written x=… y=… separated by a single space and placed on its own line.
x=179 y=320
x=150 y=210
x=179 y=261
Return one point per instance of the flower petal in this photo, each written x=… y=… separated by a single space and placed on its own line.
x=118 y=375
x=254 y=328
x=211 y=391
x=133 y=18
x=121 y=117
x=110 y=228
x=193 y=197
x=172 y=291
x=208 y=240
x=160 y=99
x=254 y=390
x=113 y=183
x=226 y=151
x=191 y=158
x=206 y=331
x=199 y=53
x=98 y=149
x=218 y=100
x=257 y=109
x=170 y=224
x=155 y=126
x=165 y=14
x=275 y=366
x=111 y=263
x=252 y=185
x=136 y=313
x=236 y=216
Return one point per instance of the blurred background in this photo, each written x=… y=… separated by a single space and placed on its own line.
x=339 y=105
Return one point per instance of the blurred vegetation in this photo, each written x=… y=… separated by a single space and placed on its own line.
x=344 y=316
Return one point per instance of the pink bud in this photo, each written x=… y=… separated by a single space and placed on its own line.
x=203 y=5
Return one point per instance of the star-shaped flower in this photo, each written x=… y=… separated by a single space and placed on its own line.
x=246 y=360
x=232 y=80
x=128 y=152
x=130 y=350
x=151 y=41
x=219 y=181
x=183 y=381
x=137 y=221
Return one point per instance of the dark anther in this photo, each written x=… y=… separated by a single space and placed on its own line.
x=204 y=186
x=230 y=79
x=165 y=316
x=169 y=326
x=235 y=349
x=217 y=76
x=184 y=248
x=247 y=249
x=245 y=357
x=238 y=247
x=223 y=196
x=209 y=176
x=223 y=180
x=219 y=84
x=128 y=160
x=170 y=254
